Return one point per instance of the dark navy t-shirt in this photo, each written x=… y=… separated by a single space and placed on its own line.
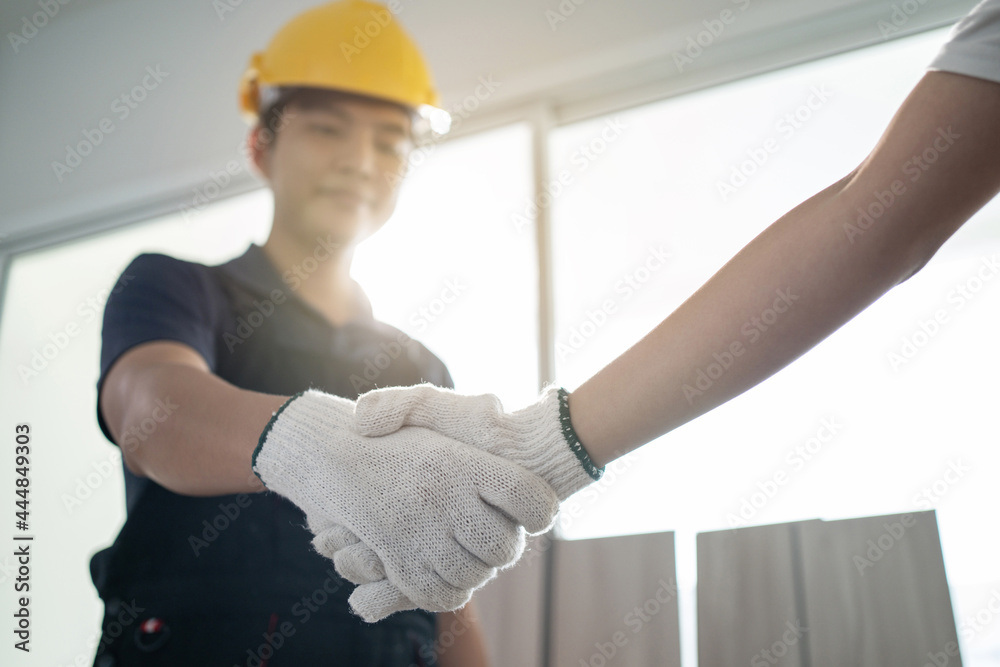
x=251 y=553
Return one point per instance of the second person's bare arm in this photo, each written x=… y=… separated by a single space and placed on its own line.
x=814 y=269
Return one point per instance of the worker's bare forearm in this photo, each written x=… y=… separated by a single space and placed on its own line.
x=806 y=275
x=460 y=640
x=192 y=432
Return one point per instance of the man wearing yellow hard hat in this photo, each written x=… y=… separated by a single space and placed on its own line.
x=228 y=390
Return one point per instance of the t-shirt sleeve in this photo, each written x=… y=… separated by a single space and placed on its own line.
x=973 y=45
x=156 y=298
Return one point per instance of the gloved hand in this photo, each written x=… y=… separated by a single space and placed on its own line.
x=539 y=437
x=436 y=516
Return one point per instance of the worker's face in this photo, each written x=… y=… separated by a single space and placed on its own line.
x=335 y=166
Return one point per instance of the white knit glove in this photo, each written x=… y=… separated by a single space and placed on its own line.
x=436 y=516
x=539 y=437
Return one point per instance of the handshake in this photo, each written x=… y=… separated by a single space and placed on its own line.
x=420 y=495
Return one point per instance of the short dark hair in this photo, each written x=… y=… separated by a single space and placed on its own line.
x=303 y=97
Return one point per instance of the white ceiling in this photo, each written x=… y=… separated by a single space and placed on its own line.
x=64 y=80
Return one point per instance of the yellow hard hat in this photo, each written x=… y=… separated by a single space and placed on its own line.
x=350 y=45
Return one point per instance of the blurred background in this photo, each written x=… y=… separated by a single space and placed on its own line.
x=601 y=153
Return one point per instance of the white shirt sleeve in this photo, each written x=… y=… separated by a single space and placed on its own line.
x=973 y=45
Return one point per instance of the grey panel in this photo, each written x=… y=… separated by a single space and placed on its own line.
x=615 y=602
x=862 y=592
x=876 y=592
x=747 y=609
x=510 y=609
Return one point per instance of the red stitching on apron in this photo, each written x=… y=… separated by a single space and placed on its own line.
x=270 y=631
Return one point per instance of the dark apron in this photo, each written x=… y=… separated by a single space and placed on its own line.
x=191 y=581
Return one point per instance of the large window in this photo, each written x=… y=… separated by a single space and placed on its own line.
x=893 y=413
x=448 y=269
x=453 y=272
x=49 y=355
